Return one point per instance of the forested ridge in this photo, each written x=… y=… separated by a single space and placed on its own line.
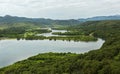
x=105 y=60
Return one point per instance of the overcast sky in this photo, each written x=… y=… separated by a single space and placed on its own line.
x=59 y=9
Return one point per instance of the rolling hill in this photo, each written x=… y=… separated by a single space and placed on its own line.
x=105 y=60
x=100 y=18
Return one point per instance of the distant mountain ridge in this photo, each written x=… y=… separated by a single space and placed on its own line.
x=8 y=19
x=40 y=21
x=100 y=18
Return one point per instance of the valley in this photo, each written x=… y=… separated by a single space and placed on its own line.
x=91 y=47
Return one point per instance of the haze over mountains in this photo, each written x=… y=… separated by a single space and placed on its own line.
x=99 y=18
x=15 y=19
x=8 y=19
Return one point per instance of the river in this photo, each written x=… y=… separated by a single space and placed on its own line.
x=12 y=51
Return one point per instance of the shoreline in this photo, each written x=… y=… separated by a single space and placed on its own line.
x=8 y=38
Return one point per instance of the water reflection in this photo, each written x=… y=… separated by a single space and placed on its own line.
x=13 y=50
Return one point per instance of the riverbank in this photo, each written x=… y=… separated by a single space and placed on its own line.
x=67 y=38
x=22 y=49
x=4 y=38
x=105 y=60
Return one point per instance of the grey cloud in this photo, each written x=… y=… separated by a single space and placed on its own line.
x=59 y=9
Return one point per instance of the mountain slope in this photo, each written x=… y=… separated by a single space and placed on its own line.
x=100 y=18
x=7 y=20
x=106 y=60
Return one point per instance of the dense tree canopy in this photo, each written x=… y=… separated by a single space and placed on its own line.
x=105 y=60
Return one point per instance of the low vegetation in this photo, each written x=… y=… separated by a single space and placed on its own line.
x=105 y=60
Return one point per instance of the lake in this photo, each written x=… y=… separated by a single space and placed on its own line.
x=50 y=34
x=12 y=51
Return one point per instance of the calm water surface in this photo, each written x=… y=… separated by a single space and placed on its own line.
x=12 y=51
x=50 y=34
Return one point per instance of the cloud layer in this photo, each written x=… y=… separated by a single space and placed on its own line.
x=59 y=9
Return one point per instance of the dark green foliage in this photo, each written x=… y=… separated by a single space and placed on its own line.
x=8 y=21
x=71 y=33
x=105 y=60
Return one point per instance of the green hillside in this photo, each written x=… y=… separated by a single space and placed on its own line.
x=105 y=60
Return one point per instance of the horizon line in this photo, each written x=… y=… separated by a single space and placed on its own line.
x=58 y=18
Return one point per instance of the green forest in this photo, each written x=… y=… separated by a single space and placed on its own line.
x=105 y=60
